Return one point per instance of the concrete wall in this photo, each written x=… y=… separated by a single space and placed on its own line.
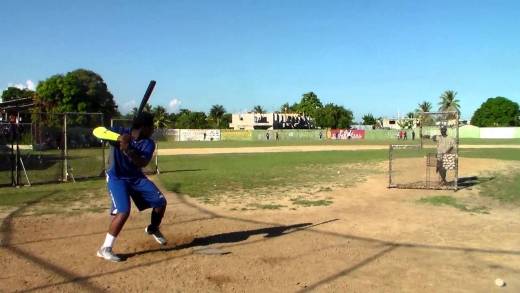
x=499 y=132
x=466 y=131
x=231 y=134
x=469 y=131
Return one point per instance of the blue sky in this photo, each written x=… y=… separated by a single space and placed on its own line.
x=370 y=56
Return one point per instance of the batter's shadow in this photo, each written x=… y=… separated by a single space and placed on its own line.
x=231 y=237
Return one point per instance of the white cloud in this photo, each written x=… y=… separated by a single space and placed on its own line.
x=174 y=105
x=127 y=106
x=29 y=84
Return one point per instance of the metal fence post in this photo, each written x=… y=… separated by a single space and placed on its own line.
x=157 y=160
x=103 y=164
x=65 y=163
x=457 y=153
x=390 y=166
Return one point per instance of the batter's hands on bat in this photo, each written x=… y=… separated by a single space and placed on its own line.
x=124 y=141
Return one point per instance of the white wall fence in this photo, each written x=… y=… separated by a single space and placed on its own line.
x=466 y=131
x=192 y=134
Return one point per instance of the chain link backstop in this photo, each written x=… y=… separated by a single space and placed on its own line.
x=50 y=147
x=432 y=162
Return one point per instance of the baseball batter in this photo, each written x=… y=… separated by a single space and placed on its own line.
x=126 y=180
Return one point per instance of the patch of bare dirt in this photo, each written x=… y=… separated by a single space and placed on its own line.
x=371 y=239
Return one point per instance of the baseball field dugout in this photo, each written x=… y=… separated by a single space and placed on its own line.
x=153 y=166
x=430 y=162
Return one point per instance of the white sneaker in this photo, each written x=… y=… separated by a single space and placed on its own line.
x=107 y=254
x=156 y=234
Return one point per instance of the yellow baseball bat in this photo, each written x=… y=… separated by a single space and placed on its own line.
x=105 y=134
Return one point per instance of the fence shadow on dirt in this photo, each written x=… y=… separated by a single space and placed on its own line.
x=6 y=228
x=470 y=181
x=232 y=239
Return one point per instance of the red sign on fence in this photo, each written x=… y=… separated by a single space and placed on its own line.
x=347 y=134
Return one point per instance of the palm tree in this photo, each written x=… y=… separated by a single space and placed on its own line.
x=368 y=119
x=423 y=119
x=216 y=113
x=258 y=109
x=449 y=102
x=424 y=107
x=161 y=117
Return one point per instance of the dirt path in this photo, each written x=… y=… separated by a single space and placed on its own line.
x=307 y=148
x=371 y=239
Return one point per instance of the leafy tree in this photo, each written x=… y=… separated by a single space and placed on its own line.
x=258 y=109
x=285 y=108
x=161 y=117
x=405 y=123
x=449 y=102
x=77 y=91
x=368 y=119
x=333 y=116
x=187 y=119
x=309 y=104
x=226 y=120
x=216 y=113
x=172 y=117
x=497 y=111
x=12 y=93
x=133 y=112
x=147 y=108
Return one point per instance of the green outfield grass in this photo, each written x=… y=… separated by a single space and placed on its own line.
x=209 y=177
x=265 y=143
x=58 y=198
x=499 y=154
x=47 y=166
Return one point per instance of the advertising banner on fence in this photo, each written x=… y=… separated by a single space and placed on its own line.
x=347 y=134
x=230 y=134
x=199 y=134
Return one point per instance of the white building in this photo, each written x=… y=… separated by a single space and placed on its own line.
x=250 y=121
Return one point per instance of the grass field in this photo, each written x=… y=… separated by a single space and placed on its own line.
x=62 y=198
x=264 y=143
x=212 y=178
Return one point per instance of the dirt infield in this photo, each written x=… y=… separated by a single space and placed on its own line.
x=372 y=239
x=303 y=148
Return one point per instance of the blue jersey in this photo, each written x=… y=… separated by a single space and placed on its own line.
x=120 y=165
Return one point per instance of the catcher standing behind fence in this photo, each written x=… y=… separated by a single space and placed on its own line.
x=446 y=157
